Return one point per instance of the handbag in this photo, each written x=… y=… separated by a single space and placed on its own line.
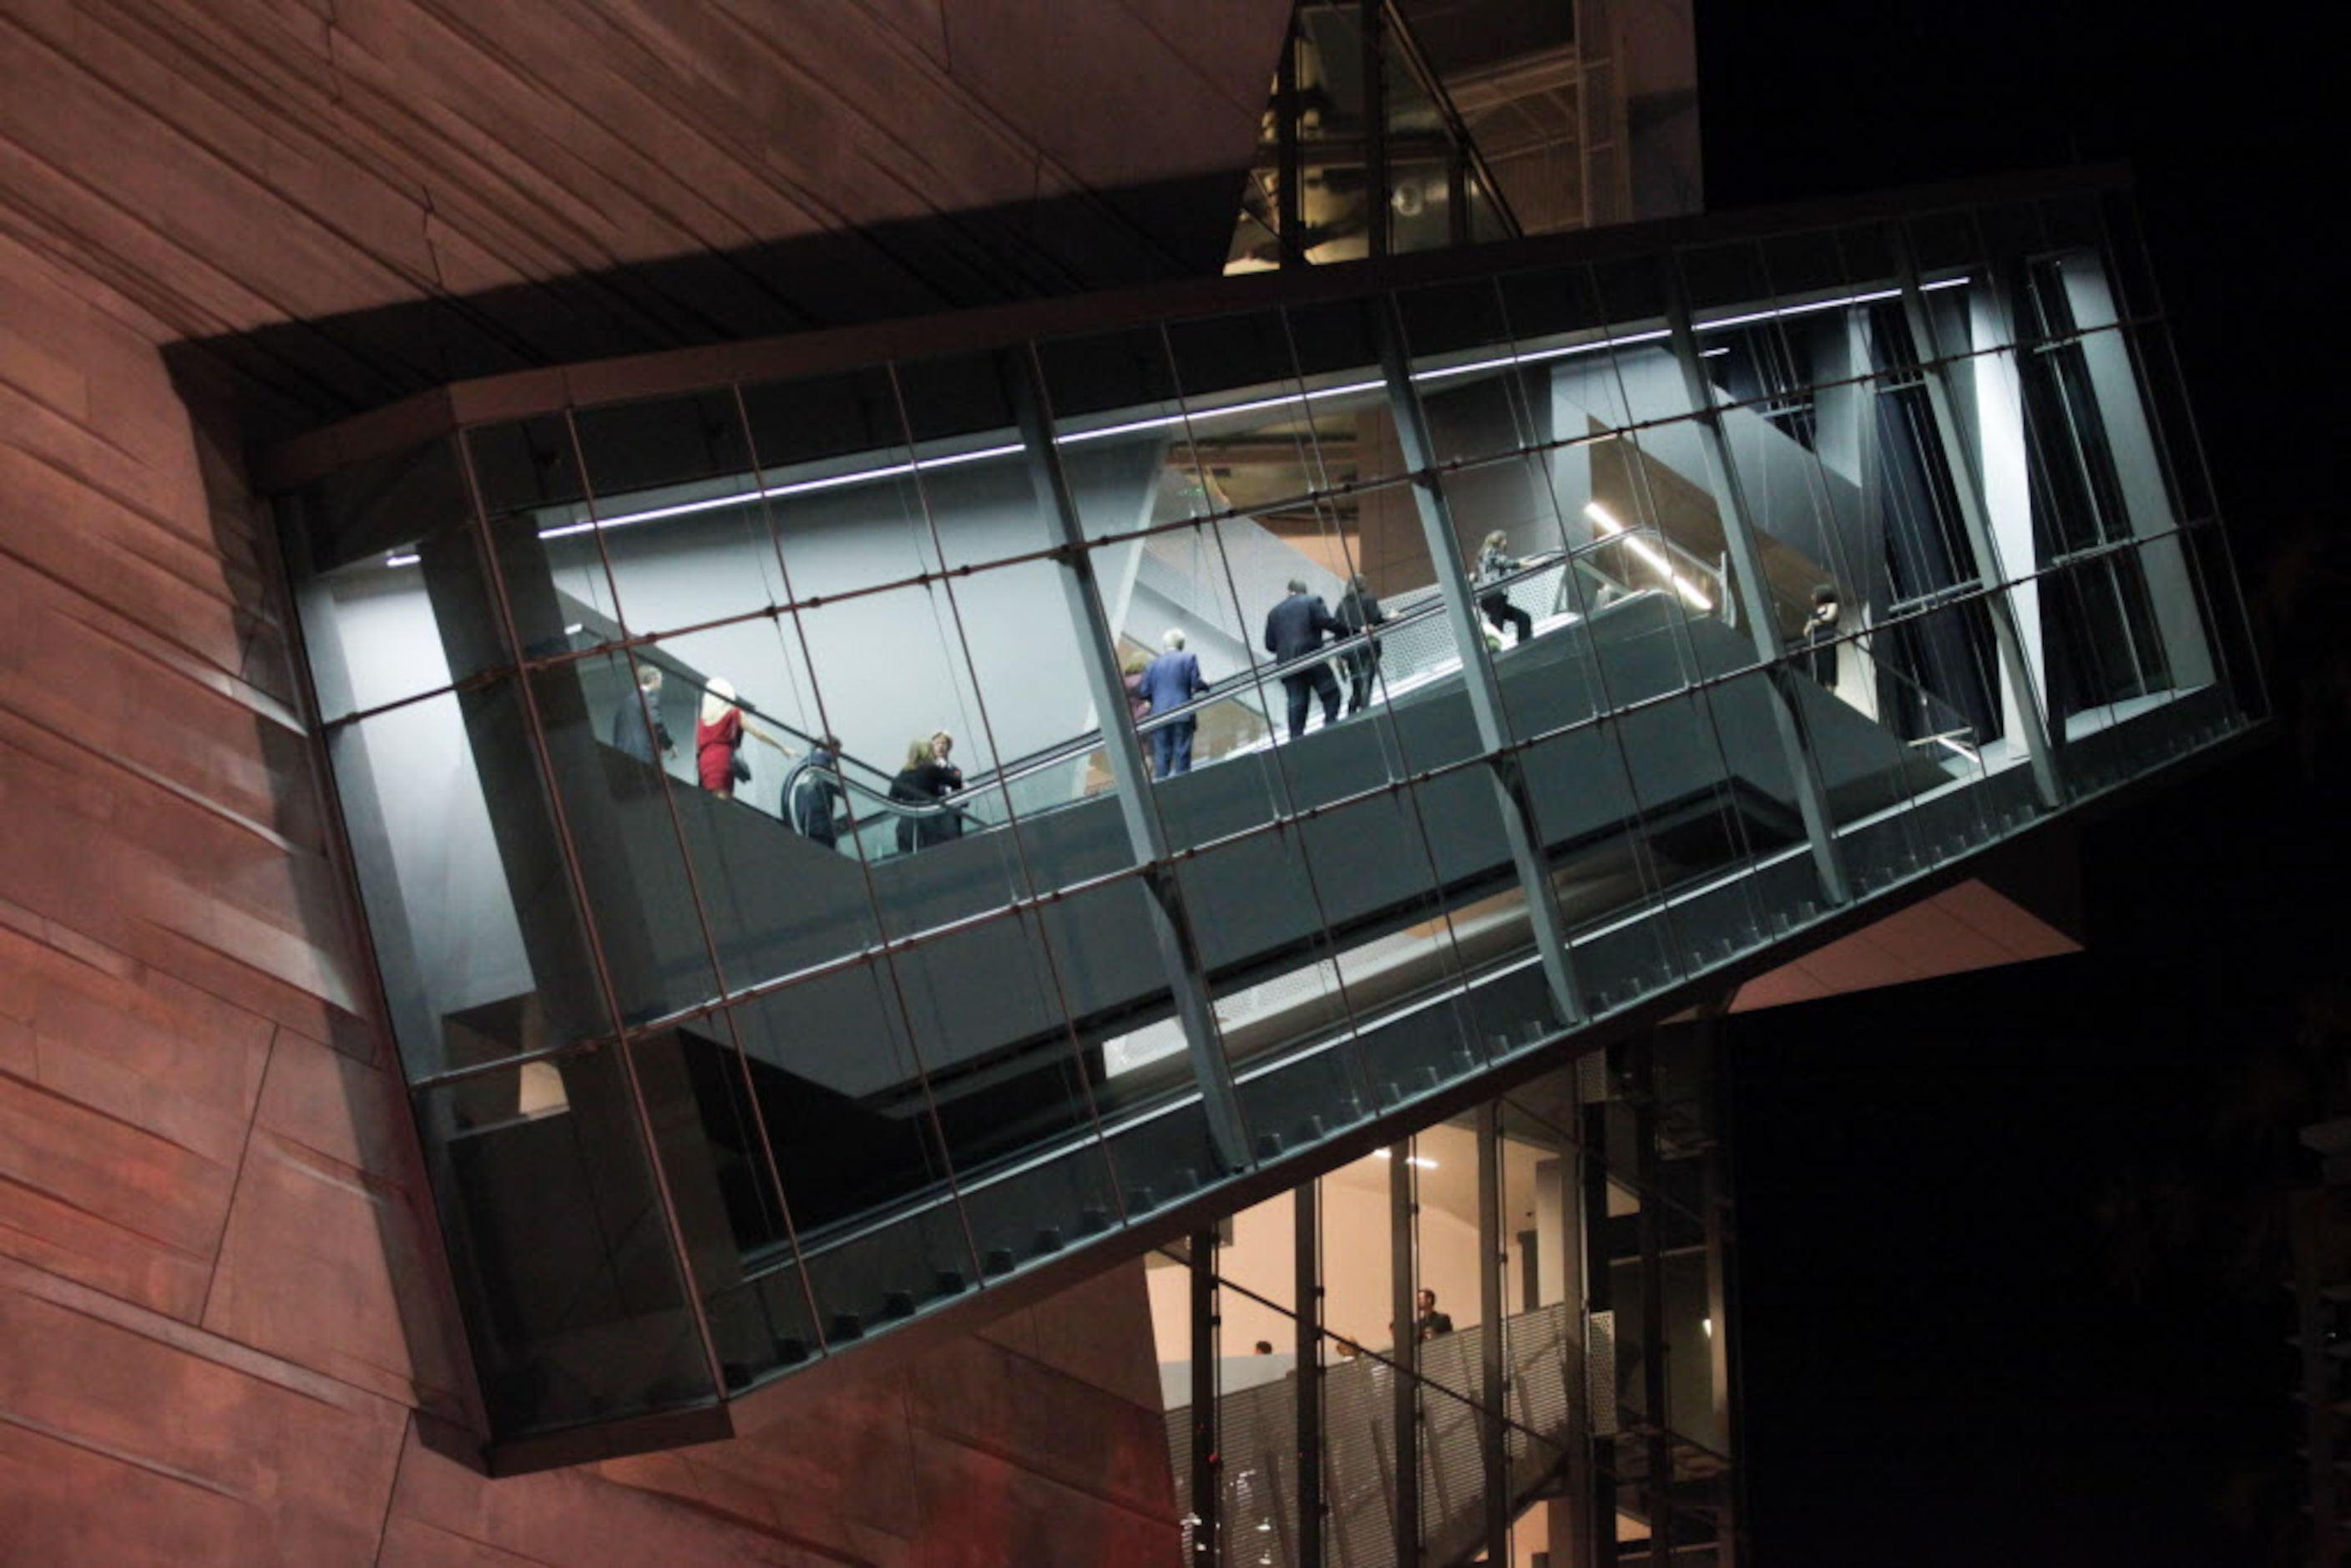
x=742 y=770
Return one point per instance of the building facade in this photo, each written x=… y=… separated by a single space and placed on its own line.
x=518 y=1134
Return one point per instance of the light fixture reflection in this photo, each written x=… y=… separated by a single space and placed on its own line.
x=1647 y=552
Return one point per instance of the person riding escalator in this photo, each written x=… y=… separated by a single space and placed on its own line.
x=927 y=778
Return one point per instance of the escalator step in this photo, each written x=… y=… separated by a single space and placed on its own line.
x=998 y=1261
x=898 y=1303
x=1048 y=1239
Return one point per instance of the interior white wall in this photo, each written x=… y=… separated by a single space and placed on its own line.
x=1997 y=426
x=2140 y=467
x=448 y=885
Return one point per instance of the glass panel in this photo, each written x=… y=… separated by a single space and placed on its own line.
x=1037 y=762
x=678 y=510
x=549 y=563
x=1944 y=240
x=1334 y=131
x=1354 y=1229
x=574 y=1298
x=1477 y=398
x=836 y=470
x=355 y=541
x=627 y=840
x=890 y=673
x=1447 y=1274
x=461 y=867
x=1124 y=444
x=969 y=463
x=839 y=1089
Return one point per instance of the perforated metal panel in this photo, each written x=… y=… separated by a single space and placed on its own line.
x=1600 y=1372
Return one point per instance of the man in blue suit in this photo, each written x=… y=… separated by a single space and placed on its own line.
x=1167 y=682
x=1293 y=629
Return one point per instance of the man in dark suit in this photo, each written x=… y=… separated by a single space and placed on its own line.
x=637 y=727
x=1358 y=612
x=1293 y=629
x=1169 y=682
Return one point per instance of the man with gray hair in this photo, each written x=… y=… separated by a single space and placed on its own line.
x=1167 y=682
x=1293 y=629
x=637 y=727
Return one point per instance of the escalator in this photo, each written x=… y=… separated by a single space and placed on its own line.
x=880 y=1065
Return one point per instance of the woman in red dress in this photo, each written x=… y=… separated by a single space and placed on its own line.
x=719 y=734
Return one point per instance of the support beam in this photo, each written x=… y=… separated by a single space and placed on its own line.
x=1146 y=837
x=1966 y=484
x=1750 y=589
x=1403 y=1309
x=1208 y=1462
x=1484 y=688
x=1307 y=1291
x=1493 y=1442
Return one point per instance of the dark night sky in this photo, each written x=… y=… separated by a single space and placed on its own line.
x=1992 y=1237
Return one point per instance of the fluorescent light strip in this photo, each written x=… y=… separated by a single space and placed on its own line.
x=1647 y=552
x=1540 y=355
x=1419 y=1161
x=1163 y=422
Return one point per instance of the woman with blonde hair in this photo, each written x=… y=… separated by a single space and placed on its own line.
x=718 y=734
x=926 y=776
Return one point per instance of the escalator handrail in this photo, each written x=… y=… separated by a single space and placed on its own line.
x=947 y=806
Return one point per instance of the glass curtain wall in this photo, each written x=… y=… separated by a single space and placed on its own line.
x=1561 y=1382
x=901 y=824
x=1361 y=152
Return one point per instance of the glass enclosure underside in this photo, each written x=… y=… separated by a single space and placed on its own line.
x=833 y=841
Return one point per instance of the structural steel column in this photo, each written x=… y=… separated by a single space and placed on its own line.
x=1967 y=487
x=1306 y=1201
x=1747 y=586
x=1290 y=207
x=1595 y=1540
x=1404 y=1309
x=1493 y=1438
x=1721 y=1257
x=1657 y=1386
x=1207 y=1464
x=1371 y=27
x=1520 y=826
x=1147 y=836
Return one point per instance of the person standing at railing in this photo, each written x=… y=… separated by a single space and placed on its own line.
x=1494 y=564
x=1359 y=612
x=1294 y=629
x=1169 y=682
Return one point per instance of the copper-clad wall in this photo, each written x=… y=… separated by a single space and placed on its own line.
x=222 y=1330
